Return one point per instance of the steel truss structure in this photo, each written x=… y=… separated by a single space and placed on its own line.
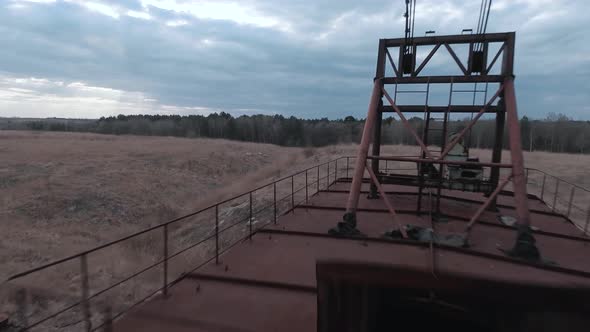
x=477 y=68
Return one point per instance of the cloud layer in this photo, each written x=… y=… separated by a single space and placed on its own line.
x=307 y=58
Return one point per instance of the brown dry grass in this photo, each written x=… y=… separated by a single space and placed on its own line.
x=66 y=192
x=61 y=193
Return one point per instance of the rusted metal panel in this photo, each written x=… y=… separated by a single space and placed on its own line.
x=446 y=301
x=207 y=305
x=261 y=279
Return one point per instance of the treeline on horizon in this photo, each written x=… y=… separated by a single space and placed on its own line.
x=555 y=133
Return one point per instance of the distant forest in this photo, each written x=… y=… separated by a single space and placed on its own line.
x=556 y=133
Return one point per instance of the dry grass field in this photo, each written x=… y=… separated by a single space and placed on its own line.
x=61 y=193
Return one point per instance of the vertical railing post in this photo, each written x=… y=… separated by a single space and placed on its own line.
x=306 y=193
x=22 y=307
x=347 y=165
x=107 y=316
x=318 y=178
x=292 y=195
x=569 y=205
x=336 y=171
x=275 y=201
x=165 y=282
x=555 y=195
x=328 y=176
x=84 y=301
x=386 y=166
x=250 y=218
x=217 y=234
x=543 y=185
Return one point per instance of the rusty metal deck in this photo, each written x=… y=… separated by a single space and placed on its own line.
x=268 y=283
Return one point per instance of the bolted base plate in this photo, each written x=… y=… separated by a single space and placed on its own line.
x=347 y=227
x=373 y=195
x=525 y=247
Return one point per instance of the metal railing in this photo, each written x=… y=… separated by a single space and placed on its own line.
x=561 y=196
x=278 y=197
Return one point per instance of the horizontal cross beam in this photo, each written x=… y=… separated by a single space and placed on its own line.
x=444 y=79
x=440 y=109
x=451 y=39
x=439 y=161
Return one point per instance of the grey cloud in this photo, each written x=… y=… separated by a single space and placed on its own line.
x=129 y=4
x=224 y=65
x=244 y=67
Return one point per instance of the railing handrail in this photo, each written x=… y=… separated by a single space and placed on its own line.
x=558 y=178
x=526 y=168
x=152 y=228
x=86 y=296
x=83 y=256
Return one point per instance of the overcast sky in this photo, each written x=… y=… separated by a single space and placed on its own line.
x=308 y=58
